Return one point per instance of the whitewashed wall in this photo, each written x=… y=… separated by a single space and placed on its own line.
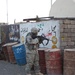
x=51 y=29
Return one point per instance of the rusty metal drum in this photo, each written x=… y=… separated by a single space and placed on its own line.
x=7 y=48
x=42 y=62
x=53 y=61
x=4 y=49
x=69 y=62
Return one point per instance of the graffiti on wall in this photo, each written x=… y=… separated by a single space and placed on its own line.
x=51 y=34
x=24 y=30
x=48 y=29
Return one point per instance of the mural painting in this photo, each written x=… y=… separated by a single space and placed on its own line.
x=14 y=35
x=50 y=30
x=10 y=33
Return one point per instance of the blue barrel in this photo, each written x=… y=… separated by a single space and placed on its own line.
x=20 y=54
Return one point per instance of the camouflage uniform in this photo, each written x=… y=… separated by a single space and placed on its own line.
x=32 y=54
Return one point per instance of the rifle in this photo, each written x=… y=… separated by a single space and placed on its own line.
x=41 y=39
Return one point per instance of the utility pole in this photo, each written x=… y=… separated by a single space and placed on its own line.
x=7 y=10
x=51 y=3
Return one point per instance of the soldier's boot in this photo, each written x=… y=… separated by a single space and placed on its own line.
x=39 y=73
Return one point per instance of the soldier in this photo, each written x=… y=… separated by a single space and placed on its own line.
x=32 y=44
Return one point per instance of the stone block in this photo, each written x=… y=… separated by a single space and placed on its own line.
x=70 y=43
x=69 y=34
x=73 y=39
x=64 y=43
x=70 y=26
x=61 y=30
x=67 y=21
x=64 y=34
x=65 y=26
x=67 y=30
x=73 y=30
x=68 y=39
x=62 y=26
x=72 y=34
x=72 y=21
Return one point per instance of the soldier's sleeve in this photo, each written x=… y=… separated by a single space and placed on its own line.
x=31 y=41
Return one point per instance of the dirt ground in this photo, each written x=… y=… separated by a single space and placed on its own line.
x=7 y=68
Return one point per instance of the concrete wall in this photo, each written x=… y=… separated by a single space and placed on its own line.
x=67 y=34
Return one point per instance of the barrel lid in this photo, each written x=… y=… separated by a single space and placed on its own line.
x=10 y=44
x=69 y=49
x=52 y=50
x=17 y=45
x=42 y=48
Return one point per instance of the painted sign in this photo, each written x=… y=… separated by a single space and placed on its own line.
x=48 y=29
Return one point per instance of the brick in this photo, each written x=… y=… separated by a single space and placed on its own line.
x=64 y=44
x=68 y=39
x=61 y=30
x=69 y=34
x=66 y=26
x=67 y=30
x=62 y=47
x=62 y=39
x=73 y=22
x=72 y=34
x=71 y=26
x=73 y=30
x=64 y=34
x=62 y=26
x=73 y=38
x=66 y=47
x=70 y=43
x=67 y=21
x=73 y=46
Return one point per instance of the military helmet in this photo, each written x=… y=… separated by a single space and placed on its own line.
x=34 y=30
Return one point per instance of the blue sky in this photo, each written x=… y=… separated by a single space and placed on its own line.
x=20 y=9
